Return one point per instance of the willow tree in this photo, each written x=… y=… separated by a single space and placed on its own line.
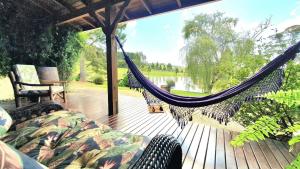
x=209 y=38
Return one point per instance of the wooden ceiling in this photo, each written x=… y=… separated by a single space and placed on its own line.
x=89 y=14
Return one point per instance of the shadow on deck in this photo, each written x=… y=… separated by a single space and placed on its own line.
x=203 y=146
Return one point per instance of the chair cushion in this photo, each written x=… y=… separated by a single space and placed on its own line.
x=14 y=159
x=27 y=74
x=42 y=90
x=66 y=139
x=5 y=121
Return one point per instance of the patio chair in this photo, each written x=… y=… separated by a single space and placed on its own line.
x=26 y=83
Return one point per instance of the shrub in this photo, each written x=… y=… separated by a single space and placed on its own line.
x=124 y=82
x=286 y=115
x=99 y=80
x=268 y=125
x=170 y=83
x=23 y=41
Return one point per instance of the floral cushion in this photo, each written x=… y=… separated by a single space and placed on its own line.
x=69 y=140
x=5 y=121
x=27 y=74
x=13 y=159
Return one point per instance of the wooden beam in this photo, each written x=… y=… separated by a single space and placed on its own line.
x=98 y=20
x=93 y=13
x=120 y=13
x=147 y=6
x=72 y=9
x=89 y=23
x=101 y=18
x=85 y=11
x=126 y=15
x=179 y=3
x=40 y=6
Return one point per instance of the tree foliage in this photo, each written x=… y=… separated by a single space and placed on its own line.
x=262 y=128
x=217 y=57
x=26 y=40
x=268 y=125
x=274 y=107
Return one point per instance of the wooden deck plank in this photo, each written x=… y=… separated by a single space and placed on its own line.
x=170 y=127
x=119 y=119
x=260 y=157
x=294 y=153
x=240 y=156
x=229 y=152
x=167 y=124
x=157 y=127
x=125 y=118
x=211 y=150
x=220 y=150
x=200 y=157
x=277 y=153
x=187 y=142
x=183 y=133
x=175 y=132
x=251 y=160
x=146 y=124
x=203 y=146
x=192 y=152
x=284 y=151
x=269 y=155
x=152 y=125
x=135 y=123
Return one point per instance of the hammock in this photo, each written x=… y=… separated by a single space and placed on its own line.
x=220 y=106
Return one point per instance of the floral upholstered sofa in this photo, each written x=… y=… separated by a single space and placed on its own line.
x=45 y=136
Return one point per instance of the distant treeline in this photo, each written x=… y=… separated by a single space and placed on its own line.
x=140 y=60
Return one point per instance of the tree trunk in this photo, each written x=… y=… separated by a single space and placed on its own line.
x=82 y=70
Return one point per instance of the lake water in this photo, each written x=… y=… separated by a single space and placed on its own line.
x=181 y=83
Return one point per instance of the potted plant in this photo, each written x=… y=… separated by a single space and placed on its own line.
x=168 y=86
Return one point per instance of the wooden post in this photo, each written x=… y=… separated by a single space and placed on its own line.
x=112 y=18
x=111 y=60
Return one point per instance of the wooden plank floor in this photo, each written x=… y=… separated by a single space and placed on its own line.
x=203 y=146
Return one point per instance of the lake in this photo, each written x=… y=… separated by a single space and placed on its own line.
x=181 y=83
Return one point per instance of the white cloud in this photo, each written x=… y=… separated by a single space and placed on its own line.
x=289 y=22
x=131 y=29
x=296 y=10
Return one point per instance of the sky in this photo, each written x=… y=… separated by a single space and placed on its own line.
x=160 y=37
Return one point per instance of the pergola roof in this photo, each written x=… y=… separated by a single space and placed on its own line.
x=89 y=14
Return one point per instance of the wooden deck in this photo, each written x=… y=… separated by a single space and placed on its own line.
x=203 y=146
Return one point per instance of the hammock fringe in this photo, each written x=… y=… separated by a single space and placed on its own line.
x=220 y=106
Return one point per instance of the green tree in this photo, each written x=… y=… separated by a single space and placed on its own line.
x=94 y=50
x=208 y=38
x=169 y=67
x=218 y=57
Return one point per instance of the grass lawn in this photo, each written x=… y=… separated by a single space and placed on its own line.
x=7 y=91
x=161 y=73
x=187 y=93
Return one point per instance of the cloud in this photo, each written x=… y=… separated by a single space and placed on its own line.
x=131 y=29
x=289 y=22
x=296 y=10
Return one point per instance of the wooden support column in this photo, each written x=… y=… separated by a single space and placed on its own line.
x=112 y=19
x=111 y=60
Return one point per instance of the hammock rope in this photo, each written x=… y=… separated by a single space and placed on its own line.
x=220 y=106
